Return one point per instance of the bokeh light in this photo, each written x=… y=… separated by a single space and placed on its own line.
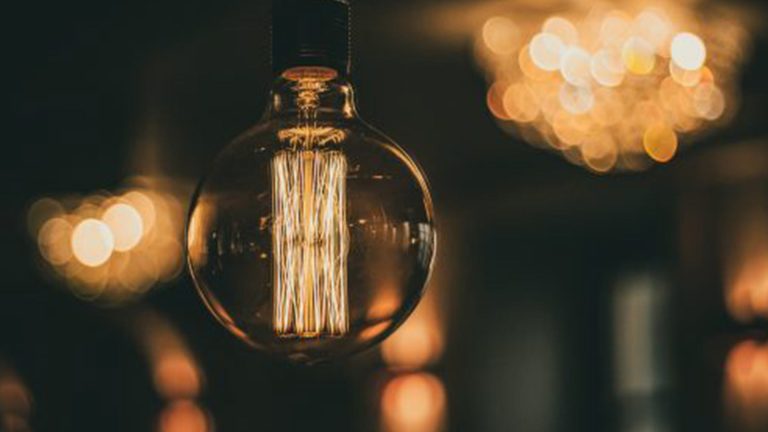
x=688 y=51
x=413 y=402
x=746 y=386
x=184 y=416
x=613 y=88
x=419 y=341
x=111 y=247
x=15 y=401
x=124 y=221
x=92 y=242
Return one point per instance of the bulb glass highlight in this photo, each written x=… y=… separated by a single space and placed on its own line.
x=306 y=221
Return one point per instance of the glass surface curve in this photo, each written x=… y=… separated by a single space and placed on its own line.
x=236 y=242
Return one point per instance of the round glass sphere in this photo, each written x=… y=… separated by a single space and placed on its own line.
x=311 y=252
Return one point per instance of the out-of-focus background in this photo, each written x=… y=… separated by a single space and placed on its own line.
x=599 y=173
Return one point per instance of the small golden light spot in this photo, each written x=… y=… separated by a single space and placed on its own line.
x=521 y=103
x=126 y=225
x=576 y=100
x=639 y=56
x=501 y=35
x=660 y=142
x=53 y=241
x=708 y=101
x=546 y=51
x=607 y=68
x=413 y=402
x=92 y=242
x=684 y=77
x=494 y=100
x=688 y=51
x=600 y=152
x=529 y=68
x=575 y=66
x=562 y=28
x=184 y=416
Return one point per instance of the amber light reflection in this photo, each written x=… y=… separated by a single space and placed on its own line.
x=746 y=386
x=612 y=88
x=111 y=247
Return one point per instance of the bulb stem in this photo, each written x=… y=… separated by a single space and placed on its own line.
x=311 y=33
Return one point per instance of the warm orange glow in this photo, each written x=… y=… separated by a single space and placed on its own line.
x=575 y=66
x=746 y=385
x=110 y=248
x=562 y=28
x=607 y=67
x=176 y=375
x=688 y=51
x=501 y=35
x=599 y=153
x=546 y=51
x=126 y=225
x=92 y=242
x=14 y=396
x=624 y=73
x=660 y=142
x=419 y=341
x=184 y=416
x=684 y=77
x=413 y=403
x=576 y=100
x=53 y=240
x=639 y=56
x=746 y=259
x=494 y=101
x=520 y=103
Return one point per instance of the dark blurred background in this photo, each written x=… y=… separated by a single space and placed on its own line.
x=562 y=300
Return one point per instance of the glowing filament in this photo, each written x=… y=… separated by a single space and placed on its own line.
x=310 y=243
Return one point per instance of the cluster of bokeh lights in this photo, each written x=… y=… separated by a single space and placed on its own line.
x=110 y=247
x=609 y=89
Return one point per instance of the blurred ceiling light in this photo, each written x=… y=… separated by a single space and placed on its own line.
x=413 y=402
x=549 y=77
x=112 y=247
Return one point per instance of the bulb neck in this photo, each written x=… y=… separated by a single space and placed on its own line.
x=316 y=93
x=310 y=33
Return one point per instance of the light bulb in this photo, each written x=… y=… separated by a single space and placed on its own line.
x=312 y=236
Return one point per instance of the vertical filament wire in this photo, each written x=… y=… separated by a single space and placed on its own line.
x=310 y=243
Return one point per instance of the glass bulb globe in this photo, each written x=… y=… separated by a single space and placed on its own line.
x=312 y=236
